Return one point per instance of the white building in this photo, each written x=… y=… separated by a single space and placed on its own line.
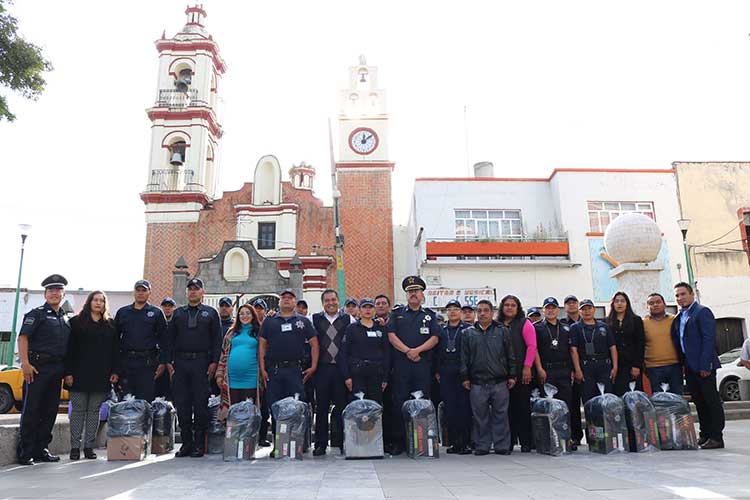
x=535 y=237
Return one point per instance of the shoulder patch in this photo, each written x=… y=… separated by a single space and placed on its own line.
x=28 y=321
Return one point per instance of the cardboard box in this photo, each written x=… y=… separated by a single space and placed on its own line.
x=162 y=444
x=127 y=448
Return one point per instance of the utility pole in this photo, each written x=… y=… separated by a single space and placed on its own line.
x=336 y=221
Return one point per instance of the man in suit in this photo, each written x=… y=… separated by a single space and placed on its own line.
x=694 y=334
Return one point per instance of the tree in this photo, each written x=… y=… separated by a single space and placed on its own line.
x=21 y=63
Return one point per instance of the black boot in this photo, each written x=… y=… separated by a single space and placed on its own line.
x=89 y=453
x=75 y=453
x=200 y=444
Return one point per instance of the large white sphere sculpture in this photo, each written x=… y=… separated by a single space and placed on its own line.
x=633 y=238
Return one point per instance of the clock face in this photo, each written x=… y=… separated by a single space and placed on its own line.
x=363 y=141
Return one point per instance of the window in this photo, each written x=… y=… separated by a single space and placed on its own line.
x=601 y=213
x=745 y=232
x=266 y=235
x=488 y=224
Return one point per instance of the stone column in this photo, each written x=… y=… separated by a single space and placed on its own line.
x=638 y=281
x=179 y=281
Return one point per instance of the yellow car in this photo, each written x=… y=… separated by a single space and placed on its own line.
x=11 y=389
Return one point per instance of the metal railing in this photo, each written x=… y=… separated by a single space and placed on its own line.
x=172 y=180
x=177 y=99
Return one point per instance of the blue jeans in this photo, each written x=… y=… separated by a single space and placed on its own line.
x=670 y=374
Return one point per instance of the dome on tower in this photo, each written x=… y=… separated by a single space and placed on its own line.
x=633 y=238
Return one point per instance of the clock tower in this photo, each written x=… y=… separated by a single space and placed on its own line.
x=363 y=177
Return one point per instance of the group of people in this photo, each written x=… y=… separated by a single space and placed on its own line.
x=481 y=362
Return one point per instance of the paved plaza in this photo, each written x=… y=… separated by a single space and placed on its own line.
x=718 y=474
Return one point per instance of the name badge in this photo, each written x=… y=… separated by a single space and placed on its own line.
x=286 y=327
x=372 y=334
x=424 y=330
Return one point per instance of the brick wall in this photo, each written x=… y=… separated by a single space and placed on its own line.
x=367 y=225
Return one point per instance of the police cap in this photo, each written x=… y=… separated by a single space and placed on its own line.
x=260 y=303
x=168 y=300
x=302 y=302
x=226 y=301
x=412 y=283
x=288 y=291
x=350 y=301
x=453 y=303
x=533 y=311
x=55 y=281
x=142 y=284
x=196 y=282
x=467 y=307
x=568 y=298
x=366 y=301
x=584 y=303
x=550 y=301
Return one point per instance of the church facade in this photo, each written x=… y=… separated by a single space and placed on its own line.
x=273 y=232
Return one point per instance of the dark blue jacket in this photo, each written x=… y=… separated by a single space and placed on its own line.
x=699 y=339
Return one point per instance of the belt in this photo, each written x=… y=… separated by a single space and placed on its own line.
x=488 y=381
x=43 y=357
x=556 y=364
x=286 y=364
x=142 y=354
x=367 y=362
x=190 y=355
x=597 y=357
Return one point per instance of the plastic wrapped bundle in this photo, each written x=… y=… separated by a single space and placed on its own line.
x=291 y=426
x=216 y=427
x=550 y=424
x=241 y=438
x=308 y=424
x=130 y=417
x=674 y=421
x=363 y=428
x=165 y=422
x=422 y=430
x=606 y=430
x=443 y=424
x=640 y=416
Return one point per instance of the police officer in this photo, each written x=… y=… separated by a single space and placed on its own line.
x=302 y=308
x=452 y=392
x=390 y=419
x=553 y=361
x=468 y=314
x=281 y=349
x=167 y=307
x=534 y=314
x=141 y=328
x=413 y=331
x=193 y=349
x=261 y=307
x=330 y=325
x=350 y=307
x=364 y=358
x=226 y=308
x=573 y=315
x=594 y=352
x=42 y=345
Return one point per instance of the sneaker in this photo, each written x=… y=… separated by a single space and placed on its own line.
x=451 y=450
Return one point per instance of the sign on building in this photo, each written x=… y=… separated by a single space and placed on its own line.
x=437 y=298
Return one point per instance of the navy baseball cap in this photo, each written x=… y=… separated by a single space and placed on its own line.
x=568 y=298
x=585 y=302
x=168 y=300
x=366 y=301
x=533 y=311
x=288 y=291
x=196 y=282
x=350 y=301
x=550 y=301
x=225 y=301
x=142 y=284
x=260 y=303
x=467 y=306
x=453 y=303
x=302 y=302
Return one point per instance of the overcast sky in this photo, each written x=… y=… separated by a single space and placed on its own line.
x=593 y=84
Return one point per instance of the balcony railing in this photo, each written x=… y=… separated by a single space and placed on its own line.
x=172 y=180
x=177 y=99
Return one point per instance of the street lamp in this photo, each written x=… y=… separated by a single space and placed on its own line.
x=684 y=224
x=24 y=229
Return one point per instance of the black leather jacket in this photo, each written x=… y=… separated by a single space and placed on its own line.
x=487 y=355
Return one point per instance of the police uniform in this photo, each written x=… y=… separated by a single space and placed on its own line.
x=285 y=337
x=413 y=328
x=48 y=333
x=452 y=392
x=163 y=383
x=553 y=345
x=593 y=343
x=194 y=342
x=365 y=357
x=576 y=427
x=141 y=333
